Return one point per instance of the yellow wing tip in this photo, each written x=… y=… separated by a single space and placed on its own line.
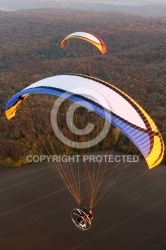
x=154 y=162
x=62 y=44
x=9 y=114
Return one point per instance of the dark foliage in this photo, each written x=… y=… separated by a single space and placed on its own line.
x=135 y=62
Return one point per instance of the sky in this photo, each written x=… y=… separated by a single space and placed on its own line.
x=16 y=4
x=129 y=1
x=101 y=1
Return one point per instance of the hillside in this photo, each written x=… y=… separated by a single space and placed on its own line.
x=135 y=62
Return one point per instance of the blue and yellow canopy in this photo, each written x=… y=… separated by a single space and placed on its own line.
x=118 y=108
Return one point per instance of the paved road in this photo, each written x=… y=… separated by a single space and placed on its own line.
x=35 y=212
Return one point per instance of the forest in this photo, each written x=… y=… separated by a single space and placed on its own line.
x=135 y=63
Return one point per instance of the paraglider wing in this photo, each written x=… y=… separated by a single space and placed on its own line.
x=122 y=111
x=93 y=39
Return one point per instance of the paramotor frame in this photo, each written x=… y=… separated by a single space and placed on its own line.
x=77 y=213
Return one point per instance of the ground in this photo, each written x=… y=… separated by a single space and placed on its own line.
x=35 y=212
